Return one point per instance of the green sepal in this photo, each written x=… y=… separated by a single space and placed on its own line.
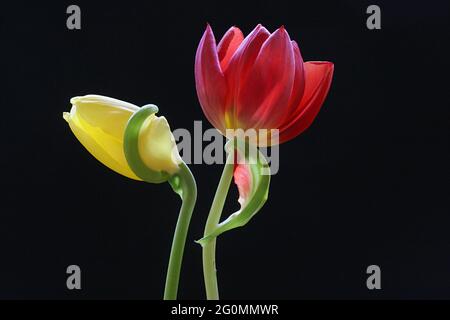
x=176 y=183
x=131 y=149
x=260 y=172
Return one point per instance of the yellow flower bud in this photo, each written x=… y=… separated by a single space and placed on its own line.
x=99 y=123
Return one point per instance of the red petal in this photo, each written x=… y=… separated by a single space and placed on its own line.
x=228 y=45
x=264 y=96
x=243 y=180
x=318 y=76
x=210 y=80
x=242 y=61
x=299 y=80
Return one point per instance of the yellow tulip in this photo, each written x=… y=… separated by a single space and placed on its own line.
x=99 y=123
x=136 y=143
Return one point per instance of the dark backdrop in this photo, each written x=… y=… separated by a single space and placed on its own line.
x=366 y=184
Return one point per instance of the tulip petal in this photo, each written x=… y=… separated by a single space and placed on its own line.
x=238 y=69
x=157 y=146
x=228 y=45
x=106 y=145
x=318 y=76
x=210 y=81
x=264 y=96
x=243 y=180
x=299 y=79
x=109 y=114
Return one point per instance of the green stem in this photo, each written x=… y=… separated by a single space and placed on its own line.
x=209 y=249
x=184 y=184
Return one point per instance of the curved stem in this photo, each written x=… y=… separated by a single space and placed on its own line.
x=209 y=249
x=184 y=184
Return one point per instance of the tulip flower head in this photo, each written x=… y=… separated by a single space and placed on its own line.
x=259 y=82
x=99 y=123
x=138 y=144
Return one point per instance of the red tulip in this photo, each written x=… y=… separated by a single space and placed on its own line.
x=259 y=82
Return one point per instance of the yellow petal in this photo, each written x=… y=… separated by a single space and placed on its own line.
x=99 y=124
x=157 y=146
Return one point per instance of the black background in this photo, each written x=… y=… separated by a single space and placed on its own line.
x=366 y=184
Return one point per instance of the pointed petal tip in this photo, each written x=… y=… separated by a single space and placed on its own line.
x=258 y=26
x=235 y=28
x=281 y=32
x=258 y=30
x=66 y=116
